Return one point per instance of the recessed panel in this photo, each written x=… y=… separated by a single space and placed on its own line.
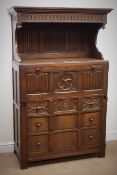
x=65 y=122
x=64 y=140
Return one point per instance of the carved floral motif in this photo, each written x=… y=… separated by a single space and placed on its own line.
x=37 y=108
x=65 y=81
x=65 y=105
x=91 y=103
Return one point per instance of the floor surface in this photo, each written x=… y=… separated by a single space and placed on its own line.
x=9 y=165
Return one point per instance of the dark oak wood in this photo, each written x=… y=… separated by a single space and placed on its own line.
x=59 y=83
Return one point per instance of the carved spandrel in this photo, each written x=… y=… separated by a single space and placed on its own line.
x=91 y=104
x=65 y=105
x=35 y=109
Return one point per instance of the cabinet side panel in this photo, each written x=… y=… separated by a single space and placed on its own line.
x=16 y=108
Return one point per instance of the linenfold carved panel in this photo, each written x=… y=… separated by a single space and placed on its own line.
x=35 y=109
x=65 y=105
x=91 y=104
x=92 y=79
x=37 y=82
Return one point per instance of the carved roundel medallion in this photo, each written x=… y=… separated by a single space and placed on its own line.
x=65 y=81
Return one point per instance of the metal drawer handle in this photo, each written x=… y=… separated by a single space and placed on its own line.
x=93 y=68
x=38 y=143
x=38 y=124
x=91 y=119
x=36 y=108
x=37 y=70
x=90 y=137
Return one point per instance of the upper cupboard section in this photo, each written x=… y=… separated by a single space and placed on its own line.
x=77 y=39
x=56 y=32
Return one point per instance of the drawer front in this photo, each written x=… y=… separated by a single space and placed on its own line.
x=65 y=105
x=64 y=122
x=38 y=108
x=37 y=125
x=38 y=144
x=49 y=104
x=90 y=119
x=92 y=103
x=65 y=140
x=90 y=136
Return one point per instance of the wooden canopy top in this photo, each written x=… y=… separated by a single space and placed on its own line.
x=66 y=15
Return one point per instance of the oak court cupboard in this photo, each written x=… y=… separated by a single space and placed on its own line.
x=59 y=83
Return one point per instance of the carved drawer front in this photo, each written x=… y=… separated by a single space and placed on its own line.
x=38 y=108
x=66 y=81
x=93 y=78
x=66 y=105
x=65 y=140
x=65 y=122
x=38 y=143
x=90 y=119
x=37 y=125
x=90 y=136
x=91 y=104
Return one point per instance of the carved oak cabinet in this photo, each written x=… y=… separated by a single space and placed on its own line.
x=59 y=83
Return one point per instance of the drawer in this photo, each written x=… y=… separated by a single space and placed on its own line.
x=90 y=136
x=37 y=125
x=37 y=108
x=90 y=119
x=91 y=103
x=66 y=104
x=65 y=122
x=65 y=140
x=38 y=143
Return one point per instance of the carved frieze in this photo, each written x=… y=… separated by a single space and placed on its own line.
x=65 y=105
x=91 y=104
x=35 y=109
x=61 y=17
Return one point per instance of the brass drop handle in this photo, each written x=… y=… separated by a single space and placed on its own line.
x=38 y=143
x=37 y=70
x=91 y=119
x=38 y=124
x=90 y=137
x=93 y=67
